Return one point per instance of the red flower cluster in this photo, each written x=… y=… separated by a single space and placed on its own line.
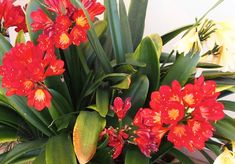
x=70 y=25
x=116 y=140
x=186 y=113
x=12 y=15
x=24 y=68
x=118 y=136
x=120 y=107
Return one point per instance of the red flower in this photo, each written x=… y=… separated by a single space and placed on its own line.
x=62 y=40
x=78 y=35
x=12 y=16
x=166 y=94
x=70 y=25
x=199 y=133
x=209 y=110
x=24 y=68
x=185 y=112
x=120 y=107
x=116 y=140
x=40 y=20
x=146 y=118
x=94 y=8
x=60 y=7
x=172 y=113
x=146 y=141
x=80 y=19
x=62 y=23
x=179 y=136
x=39 y=98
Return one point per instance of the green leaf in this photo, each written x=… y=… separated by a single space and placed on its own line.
x=37 y=119
x=86 y=133
x=226 y=128
x=134 y=156
x=115 y=30
x=181 y=156
x=100 y=28
x=136 y=16
x=216 y=74
x=58 y=110
x=157 y=40
x=164 y=148
x=5 y=46
x=97 y=83
x=33 y=6
x=20 y=37
x=207 y=156
x=41 y=158
x=102 y=101
x=169 y=36
x=228 y=105
x=182 y=69
x=124 y=84
x=214 y=148
x=125 y=68
x=148 y=53
x=137 y=92
x=8 y=135
x=208 y=65
x=74 y=71
x=93 y=39
x=10 y=118
x=59 y=150
x=59 y=85
x=21 y=149
x=221 y=87
x=125 y=28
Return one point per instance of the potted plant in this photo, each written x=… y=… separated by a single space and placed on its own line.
x=85 y=90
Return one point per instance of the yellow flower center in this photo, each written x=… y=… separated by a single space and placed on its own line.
x=173 y=114
x=179 y=131
x=196 y=127
x=39 y=95
x=81 y=21
x=64 y=39
x=189 y=98
x=28 y=84
x=157 y=118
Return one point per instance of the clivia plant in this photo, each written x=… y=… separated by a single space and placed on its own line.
x=85 y=90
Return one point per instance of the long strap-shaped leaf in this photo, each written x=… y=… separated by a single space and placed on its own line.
x=136 y=15
x=21 y=149
x=182 y=69
x=115 y=29
x=125 y=28
x=59 y=150
x=92 y=36
x=181 y=156
x=4 y=46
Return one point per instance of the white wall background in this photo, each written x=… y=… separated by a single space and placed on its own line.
x=166 y=15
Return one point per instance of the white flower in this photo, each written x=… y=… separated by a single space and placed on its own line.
x=189 y=42
x=224 y=37
x=227 y=157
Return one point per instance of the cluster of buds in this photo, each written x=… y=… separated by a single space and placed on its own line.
x=118 y=136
